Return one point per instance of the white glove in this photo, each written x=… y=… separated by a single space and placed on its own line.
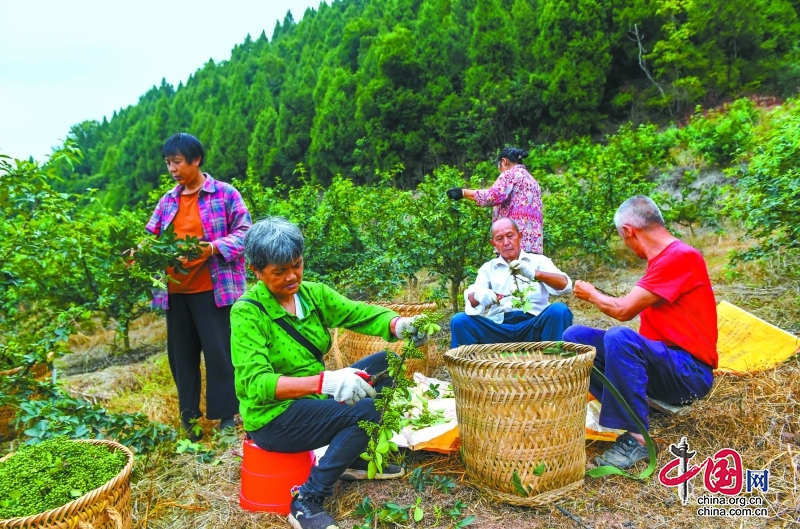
x=418 y=336
x=346 y=386
x=485 y=296
x=525 y=268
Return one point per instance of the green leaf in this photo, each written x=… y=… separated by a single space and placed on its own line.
x=539 y=469
x=466 y=521
x=418 y=513
x=372 y=470
x=75 y=493
x=518 y=485
x=606 y=470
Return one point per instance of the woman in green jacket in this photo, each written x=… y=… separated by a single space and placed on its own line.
x=279 y=332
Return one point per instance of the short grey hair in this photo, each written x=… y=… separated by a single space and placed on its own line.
x=639 y=212
x=513 y=222
x=273 y=241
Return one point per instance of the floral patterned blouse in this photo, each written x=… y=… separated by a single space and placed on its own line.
x=516 y=195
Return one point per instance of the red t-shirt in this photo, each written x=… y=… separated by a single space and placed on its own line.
x=686 y=316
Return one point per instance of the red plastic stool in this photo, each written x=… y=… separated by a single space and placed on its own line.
x=268 y=478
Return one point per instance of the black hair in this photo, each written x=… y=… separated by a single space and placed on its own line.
x=511 y=154
x=186 y=145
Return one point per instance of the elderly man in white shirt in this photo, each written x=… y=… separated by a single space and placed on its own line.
x=489 y=316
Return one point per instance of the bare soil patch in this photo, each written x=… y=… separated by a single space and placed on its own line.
x=95 y=349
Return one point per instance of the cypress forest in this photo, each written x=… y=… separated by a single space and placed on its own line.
x=360 y=87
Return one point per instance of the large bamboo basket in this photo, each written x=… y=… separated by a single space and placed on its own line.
x=349 y=347
x=8 y=412
x=106 y=507
x=518 y=408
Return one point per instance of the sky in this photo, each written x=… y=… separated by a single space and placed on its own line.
x=65 y=62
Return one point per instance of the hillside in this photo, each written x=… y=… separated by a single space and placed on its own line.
x=359 y=86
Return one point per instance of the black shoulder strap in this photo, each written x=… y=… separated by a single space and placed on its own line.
x=291 y=331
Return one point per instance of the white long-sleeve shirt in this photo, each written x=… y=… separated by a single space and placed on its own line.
x=496 y=275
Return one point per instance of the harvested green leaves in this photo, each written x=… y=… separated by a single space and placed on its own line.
x=53 y=473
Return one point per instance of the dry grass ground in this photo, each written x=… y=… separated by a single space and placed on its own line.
x=757 y=415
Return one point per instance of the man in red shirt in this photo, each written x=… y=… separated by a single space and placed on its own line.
x=673 y=355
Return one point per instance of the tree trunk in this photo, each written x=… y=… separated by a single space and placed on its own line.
x=123 y=331
x=455 y=291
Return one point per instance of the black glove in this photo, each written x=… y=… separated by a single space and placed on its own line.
x=456 y=193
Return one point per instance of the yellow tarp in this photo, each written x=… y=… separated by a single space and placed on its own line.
x=594 y=431
x=748 y=344
x=444 y=444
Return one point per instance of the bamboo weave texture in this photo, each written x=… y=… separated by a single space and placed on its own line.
x=350 y=347
x=519 y=409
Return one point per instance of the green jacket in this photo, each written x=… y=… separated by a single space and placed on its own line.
x=262 y=351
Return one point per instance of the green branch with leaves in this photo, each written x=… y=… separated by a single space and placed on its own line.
x=393 y=408
x=520 y=296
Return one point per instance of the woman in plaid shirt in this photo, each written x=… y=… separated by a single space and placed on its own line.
x=198 y=302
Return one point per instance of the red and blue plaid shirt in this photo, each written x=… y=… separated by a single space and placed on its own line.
x=225 y=221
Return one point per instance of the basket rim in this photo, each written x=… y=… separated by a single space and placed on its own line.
x=410 y=304
x=453 y=355
x=424 y=305
x=14 y=370
x=87 y=499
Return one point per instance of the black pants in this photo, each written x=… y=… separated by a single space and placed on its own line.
x=194 y=324
x=308 y=424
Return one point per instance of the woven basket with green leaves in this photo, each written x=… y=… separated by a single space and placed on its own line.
x=106 y=507
x=521 y=417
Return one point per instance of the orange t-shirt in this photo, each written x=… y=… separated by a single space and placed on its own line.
x=187 y=222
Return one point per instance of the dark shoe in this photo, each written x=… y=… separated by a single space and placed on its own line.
x=227 y=423
x=192 y=431
x=227 y=436
x=307 y=512
x=358 y=470
x=624 y=453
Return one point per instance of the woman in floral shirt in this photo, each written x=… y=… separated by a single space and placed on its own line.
x=515 y=195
